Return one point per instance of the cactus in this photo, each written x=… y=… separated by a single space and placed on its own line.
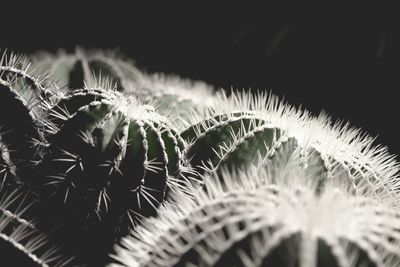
x=267 y=218
x=84 y=66
x=110 y=161
x=21 y=243
x=239 y=129
x=279 y=187
x=20 y=135
x=174 y=96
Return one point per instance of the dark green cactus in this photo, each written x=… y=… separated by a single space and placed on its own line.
x=254 y=219
x=238 y=130
x=110 y=161
x=84 y=67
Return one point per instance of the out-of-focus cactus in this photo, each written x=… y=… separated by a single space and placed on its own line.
x=84 y=67
x=174 y=96
x=267 y=218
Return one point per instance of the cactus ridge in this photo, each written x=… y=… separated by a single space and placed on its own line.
x=253 y=219
x=22 y=244
x=228 y=133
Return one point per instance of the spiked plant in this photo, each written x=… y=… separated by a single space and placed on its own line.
x=110 y=160
x=21 y=243
x=84 y=66
x=174 y=96
x=267 y=218
x=237 y=130
x=20 y=135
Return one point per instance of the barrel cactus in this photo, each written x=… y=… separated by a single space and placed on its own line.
x=237 y=130
x=110 y=161
x=267 y=218
x=20 y=132
x=174 y=96
x=83 y=67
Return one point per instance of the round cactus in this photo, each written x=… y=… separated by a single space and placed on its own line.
x=174 y=96
x=21 y=243
x=20 y=135
x=110 y=161
x=257 y=218
x=239 y=129
x=84 y=67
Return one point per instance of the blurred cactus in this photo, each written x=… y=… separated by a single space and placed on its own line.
x=174 y=96
x=83 y=67
x=264 y=218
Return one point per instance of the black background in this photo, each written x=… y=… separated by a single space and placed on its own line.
x=338 y=57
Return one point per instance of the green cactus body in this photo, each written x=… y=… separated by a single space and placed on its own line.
x=21 y=243
x=248 y=219
x=111 y=161
x=240 y=129
x=84 y=67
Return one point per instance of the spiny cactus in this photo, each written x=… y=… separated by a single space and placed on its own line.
x=280 y=187
x=237 y=130
x=267 y=218
x=110 y=161
x=21 y=114
x=21 y=243
x=174 y=96
x=84 y=66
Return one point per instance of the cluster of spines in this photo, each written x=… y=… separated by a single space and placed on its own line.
x=252 y=219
